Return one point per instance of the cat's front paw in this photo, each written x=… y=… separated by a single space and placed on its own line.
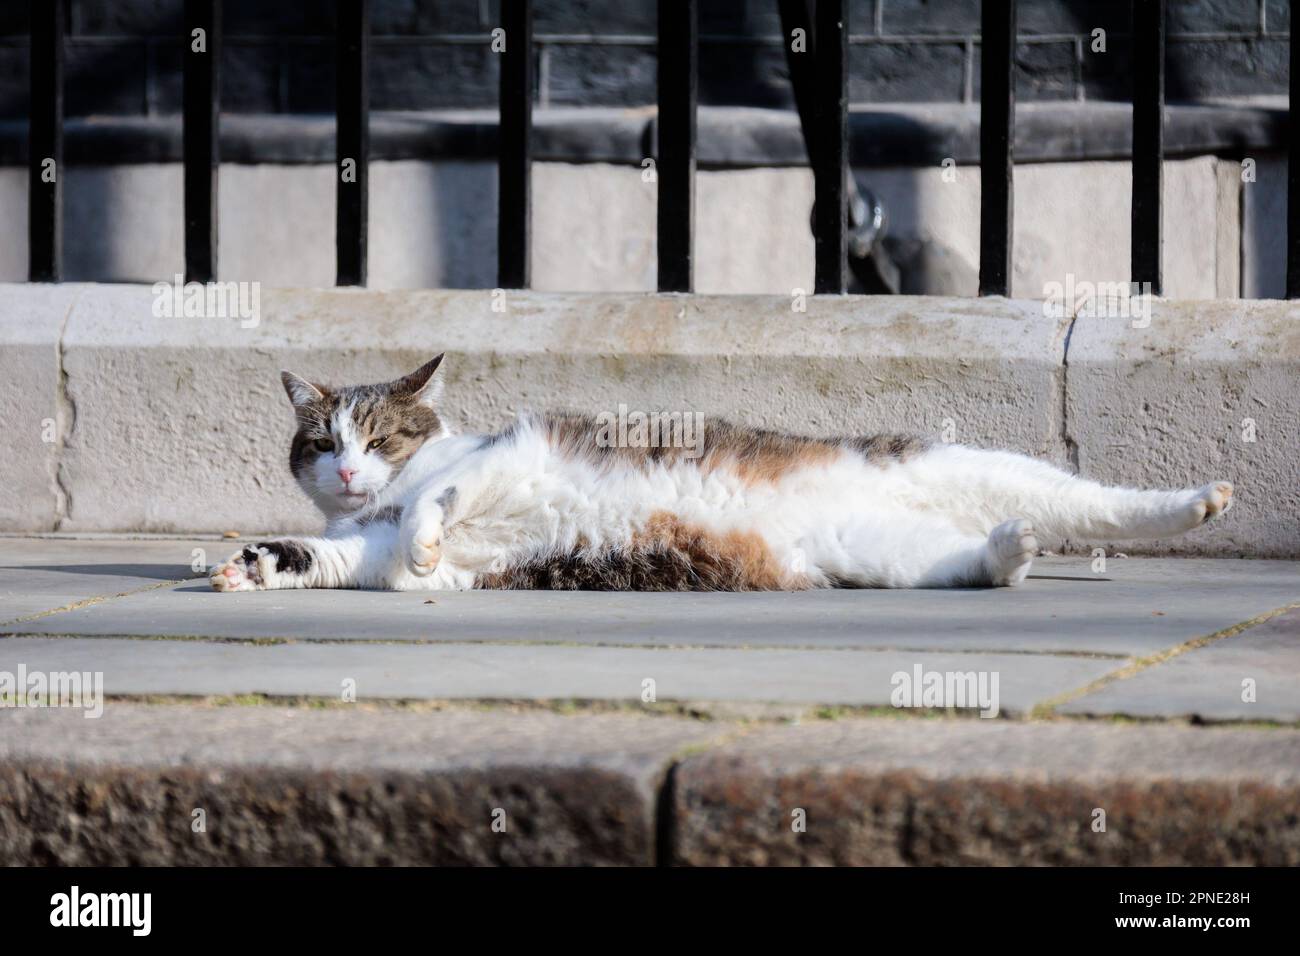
x=240 y=573
x=424 y=552
x=285 y=563
x=423 y=530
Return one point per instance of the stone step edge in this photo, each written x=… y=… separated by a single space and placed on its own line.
x=199 y=786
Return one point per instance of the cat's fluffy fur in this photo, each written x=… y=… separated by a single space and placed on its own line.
x=547 y=504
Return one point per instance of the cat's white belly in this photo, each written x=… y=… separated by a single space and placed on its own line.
x=506 y=515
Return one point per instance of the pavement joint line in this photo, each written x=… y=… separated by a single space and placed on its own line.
x=568 y=707
x=734 y=713
x=709 y=711
x=204 y=639
x=1047 y=709
x=279 y=641
x=565 y=706
x=90 y=602
x=1191 y=720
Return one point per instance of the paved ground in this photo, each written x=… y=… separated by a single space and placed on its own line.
x=795 y=688
x=85 y=605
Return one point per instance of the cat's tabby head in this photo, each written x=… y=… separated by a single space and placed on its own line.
x=352 y=441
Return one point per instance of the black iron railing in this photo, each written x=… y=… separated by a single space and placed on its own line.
x=45 y=148
x=821 y=93
x=831 y=130
x=1293 y=174
x=352 y=141
x=515 y=148
x=678 y=77
x=1148 y=139
x=202 y=153
x=997 y=144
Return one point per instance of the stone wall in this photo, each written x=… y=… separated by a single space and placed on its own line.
x=120 y=420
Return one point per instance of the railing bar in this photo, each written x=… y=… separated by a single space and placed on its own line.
x=45 y=144
x=1293 y=171
x=1148 y=140
x=678 y=93
x=831 y=154
x=352 y=142
x=997 y=144
x=515 y=147
x=797 y=15
x=201 y=104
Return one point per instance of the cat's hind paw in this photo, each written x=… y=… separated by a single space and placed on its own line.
x=1211 y=501
x=1011 y=549
x=1190 y=509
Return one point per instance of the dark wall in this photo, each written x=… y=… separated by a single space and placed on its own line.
x=123 y=55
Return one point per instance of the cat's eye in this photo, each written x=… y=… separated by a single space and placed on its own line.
x=323 y=444
x=376 y=443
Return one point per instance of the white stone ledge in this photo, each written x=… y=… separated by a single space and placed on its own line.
x=180 y=425
x=1178 y=403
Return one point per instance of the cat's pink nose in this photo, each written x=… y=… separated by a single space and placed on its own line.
x=346 y=474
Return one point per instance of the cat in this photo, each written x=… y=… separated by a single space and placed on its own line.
x=551 y=503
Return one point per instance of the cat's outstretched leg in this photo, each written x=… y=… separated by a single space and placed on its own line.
x=362 y=554
x=350 y=562
x=292 y=563
x=908 y=550
x=978 y=489
x=1089 y=511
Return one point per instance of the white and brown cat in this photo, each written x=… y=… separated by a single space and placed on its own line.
x=549 y=503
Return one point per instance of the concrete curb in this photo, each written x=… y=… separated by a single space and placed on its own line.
x=179 y=424
x=312 y=787
x=973 y=793
x=293 y=786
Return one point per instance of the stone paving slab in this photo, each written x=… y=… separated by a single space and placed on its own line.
x=1138 y=606
x=41 y=574
x=297 y=786
x=534 y=672
x=951 y=792
x=1208 y=682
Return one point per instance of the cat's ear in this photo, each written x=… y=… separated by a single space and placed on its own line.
x=300 y=391
x=421 y=384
